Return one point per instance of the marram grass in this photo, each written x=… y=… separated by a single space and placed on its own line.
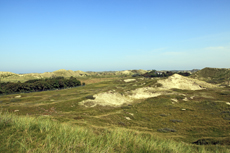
x=28 y=134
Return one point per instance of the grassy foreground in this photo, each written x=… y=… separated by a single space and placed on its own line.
x=30 y=134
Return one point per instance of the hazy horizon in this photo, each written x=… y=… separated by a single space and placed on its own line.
x=112 y=70
x=44 y=36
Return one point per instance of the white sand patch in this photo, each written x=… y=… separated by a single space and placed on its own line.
x=111 y=99
x=174 y=100
x=19 y=96
x=131 y=114
x=184 y=83
x=185 y=99
x=126 y=72
x=129 y=80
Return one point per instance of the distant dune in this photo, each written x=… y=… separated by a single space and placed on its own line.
x=213 y=75
x=9 y=76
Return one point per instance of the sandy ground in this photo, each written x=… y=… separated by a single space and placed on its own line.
x=115 y=99
x=175 y=81
x=129 y=80
x=184 y=83
x=107 y=98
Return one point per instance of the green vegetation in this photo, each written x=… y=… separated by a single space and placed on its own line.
x=39 y=85
x=213 y=75
x=154 y=73
x=54 y=121
x=13 y=77
x=29 y=134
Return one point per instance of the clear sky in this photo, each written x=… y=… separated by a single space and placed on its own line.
x=103 y=35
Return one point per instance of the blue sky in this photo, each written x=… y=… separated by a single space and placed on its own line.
x=104 y=35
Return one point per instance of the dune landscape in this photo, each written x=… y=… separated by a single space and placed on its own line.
x=114 y=76
x=187 y=111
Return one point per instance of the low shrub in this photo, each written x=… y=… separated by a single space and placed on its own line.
x=90 y=97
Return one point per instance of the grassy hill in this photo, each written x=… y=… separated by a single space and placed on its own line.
x=174 y=121
x=213 y=75
x=29 y=134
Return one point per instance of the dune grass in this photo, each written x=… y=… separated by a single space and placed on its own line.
x=214 y=75
x=30 y=134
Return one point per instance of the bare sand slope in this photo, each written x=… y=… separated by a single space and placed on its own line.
x=184 y=83
x=107 y=98
x=116 y=99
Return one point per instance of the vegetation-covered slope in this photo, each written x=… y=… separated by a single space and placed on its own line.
x=213 y=75
x=29 y=134
x=13 y=77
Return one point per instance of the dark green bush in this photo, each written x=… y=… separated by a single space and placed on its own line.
x=90 y=97
x=39 y=85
